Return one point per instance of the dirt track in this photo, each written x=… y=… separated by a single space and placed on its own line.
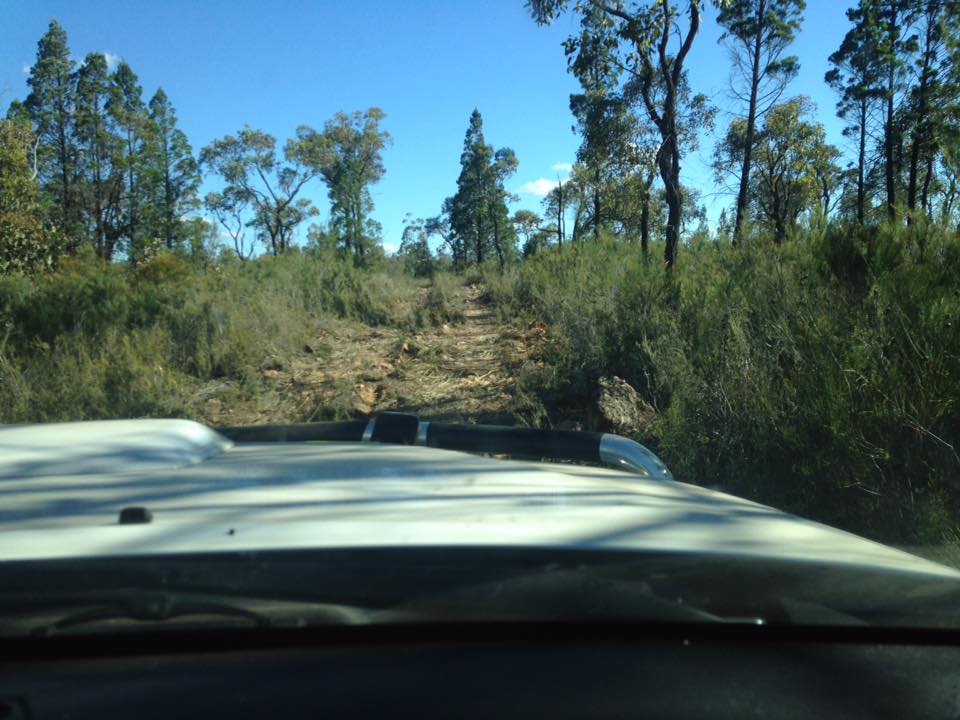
x=458 y=372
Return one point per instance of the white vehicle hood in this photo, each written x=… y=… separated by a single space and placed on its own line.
x=64 y=486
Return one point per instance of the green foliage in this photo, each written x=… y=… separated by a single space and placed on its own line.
x=820 y=377
x=97 y=340
x=262 y=181
x=440 y=305
x=171 y=175
x=414 y=250
x=348 y=156
x=50 y=107
x=476 y=220
x=27 y=242
x=794 y=169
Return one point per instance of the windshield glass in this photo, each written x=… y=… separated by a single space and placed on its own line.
x=664 y=298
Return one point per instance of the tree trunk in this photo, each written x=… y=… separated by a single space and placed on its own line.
x=645 y=227
x=596 y=205
x=496 y=245
x=671 y=183
x=669 y=163
x=925 y=193
x=888 y=140
x=561 y=230
x=743 y=195
x=862 y=164
x=168 y=209
x=479 y=241
x=918 y=140
x=920 y=137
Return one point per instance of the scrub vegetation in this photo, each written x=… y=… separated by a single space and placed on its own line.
x=802 y=350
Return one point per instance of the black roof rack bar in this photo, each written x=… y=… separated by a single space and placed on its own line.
x=398 y=428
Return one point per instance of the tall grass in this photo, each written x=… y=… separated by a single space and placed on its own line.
x=106 y=341
x=822 y=377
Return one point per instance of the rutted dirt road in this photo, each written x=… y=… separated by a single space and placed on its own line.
x=461 y=371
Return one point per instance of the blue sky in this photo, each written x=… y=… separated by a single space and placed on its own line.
x=426 y=63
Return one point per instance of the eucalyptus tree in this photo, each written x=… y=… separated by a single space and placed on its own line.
x=653 y=40
x=230 y=208
x=758 y=33
x=414 y=248
x=891 y=52
x=348 y=156
x=555 y=208
x=525 y=224
x=932 y=101
x=794 y=169
x=604 y=118
x=269 y=183
x=856 y=77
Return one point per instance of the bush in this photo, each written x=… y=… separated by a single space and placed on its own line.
x=99 y=340
x=442 y=304
x=821 y=377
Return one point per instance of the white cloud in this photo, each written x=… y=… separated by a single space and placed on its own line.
x=112 y=60
x=562 y=168
x=539 y=187
x=25 y=69
x=390 y=248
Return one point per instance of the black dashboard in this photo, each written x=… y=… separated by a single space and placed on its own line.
x=549 y=670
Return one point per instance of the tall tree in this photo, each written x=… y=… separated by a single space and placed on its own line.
x=603 y=116
x=172 y=173
x=794 y=171
x=101 y=160
x=268 y=184
x=526 y=223
x=51 y=105
x=348 y=156
x=477 y=213
x=891 y=52
x=660 y=35
x=230 y=210
x=856 y=77
x=414 y=248
x=128 y=113
x=933 y=96
x=758 y=33
x=504 y=235
x=555 y=208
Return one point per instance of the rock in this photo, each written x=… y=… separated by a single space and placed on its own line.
x=620 y=408
x=537 y=332
x=366 y=394
x=271 y=375
x=215 y=409
x=377 y=372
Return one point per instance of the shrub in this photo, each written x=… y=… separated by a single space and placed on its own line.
x=94 y=339
x=820 y=377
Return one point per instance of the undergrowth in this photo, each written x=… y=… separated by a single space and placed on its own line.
x=96 y=340
x=821 y=377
